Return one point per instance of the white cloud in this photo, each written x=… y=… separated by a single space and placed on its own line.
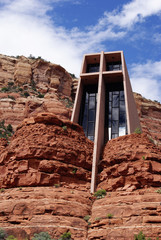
x=145 y=79
x=26 y=28
x=133 y=12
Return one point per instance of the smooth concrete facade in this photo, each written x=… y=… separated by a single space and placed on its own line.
x=103 y=77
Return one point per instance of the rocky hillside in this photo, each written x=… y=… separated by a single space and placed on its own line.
x=30 y=85
x=45 y=175
x=45 y=168
x=150 y=117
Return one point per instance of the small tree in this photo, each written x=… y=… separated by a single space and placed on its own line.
x=10 y=128
x=2 y=234
x=140 y=236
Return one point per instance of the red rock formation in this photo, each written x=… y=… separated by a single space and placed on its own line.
x=123 y=214
x=44 y=151
x=36 y=78
x=130 y=162
x=46 y=168
x=29 y=210
x=150 y=117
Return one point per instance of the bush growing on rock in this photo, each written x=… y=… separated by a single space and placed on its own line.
x=2 y=234
x=141 y=236
x=11 y=237
x=41 y=236
x=137 y=130
x=65 y=236
x=101 y=193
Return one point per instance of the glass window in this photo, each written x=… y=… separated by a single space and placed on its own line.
x=110 y=96
x=92 y=102
x=122 y=131
x=115 y=114
x=122 y=119
x=88 y=110
x=90 y=128
x=91 y=116
x=114 y=135
x=93 y=67
x=115 y=101
x=114 y=126
x=113 y=66
x=122 y=95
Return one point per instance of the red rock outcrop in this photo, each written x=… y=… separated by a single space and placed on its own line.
x=130 y=162
x=56 y=210
x=54 y=154
x=150 y=117
x=37 y=73
x=29 y=86
x=47 y=168
x=123 y=214
x=130 y=171
x=46 y=151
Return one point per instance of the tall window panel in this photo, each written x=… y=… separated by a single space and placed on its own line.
x=88 y=111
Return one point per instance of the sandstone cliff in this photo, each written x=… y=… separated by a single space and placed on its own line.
x=45 y=170
x=29 y=86
x=45 y=176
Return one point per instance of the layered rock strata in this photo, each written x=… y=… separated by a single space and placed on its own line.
x=45 y=151
x=55 y=155
x=123 y=214
x=130 y=162
x=150 y=117
x=29 y=86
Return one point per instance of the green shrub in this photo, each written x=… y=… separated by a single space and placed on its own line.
x=2 y=234
x=20 y=89
x=56 y=185
x=137 y=130
x=26 y=94
x=87 y=217
x=72 y=75
x=4 y=89
x=10 y=128
x=109 y=215
x=41 y=236
x=98 y=218
x=11 y=97
x=74 y=170
x=4 y=132
x=2 y=190
x=159 y=190
x=64 y=128
x=65 y=236
x=40 y=95
x=143 y=157
x=140 y=236
x=101 y=193
x=10 y=83
x=11 y=237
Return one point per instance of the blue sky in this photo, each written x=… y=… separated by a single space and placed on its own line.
x=61 y=31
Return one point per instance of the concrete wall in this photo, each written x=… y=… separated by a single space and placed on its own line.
x=131 y=110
